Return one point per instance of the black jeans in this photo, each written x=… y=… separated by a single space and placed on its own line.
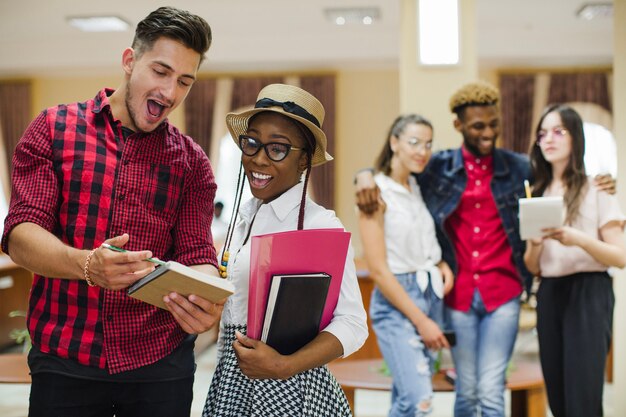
x=55 y=395
x=574 y=324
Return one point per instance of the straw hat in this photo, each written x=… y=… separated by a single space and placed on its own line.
x=292 y=102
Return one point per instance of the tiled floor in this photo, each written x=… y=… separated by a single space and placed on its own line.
x=14 y=397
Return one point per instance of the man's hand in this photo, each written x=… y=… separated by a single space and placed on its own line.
x=257 y=360
x=194 y=314
x=367 y=192
x=118 y=270
x=606 y=183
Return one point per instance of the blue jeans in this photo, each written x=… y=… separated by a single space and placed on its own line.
x=408 y=359
x=484 y=344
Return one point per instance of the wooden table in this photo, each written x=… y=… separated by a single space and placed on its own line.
x=15 y=283
x=528 y=397
x=14 y=369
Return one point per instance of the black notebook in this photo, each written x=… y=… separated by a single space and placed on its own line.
x=294 y=310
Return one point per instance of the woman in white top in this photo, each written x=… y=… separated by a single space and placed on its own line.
x=280 y=138
x=404 y=260
x=575 y=299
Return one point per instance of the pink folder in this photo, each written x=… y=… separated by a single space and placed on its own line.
x=295 y=252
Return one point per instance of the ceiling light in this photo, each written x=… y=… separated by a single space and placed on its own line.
x=99 y=23
x=592 y=10
x=360 y=15
x=438 y=32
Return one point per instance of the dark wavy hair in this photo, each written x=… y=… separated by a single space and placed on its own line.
x=383 y=161
x=179 y=25
x=574 y=176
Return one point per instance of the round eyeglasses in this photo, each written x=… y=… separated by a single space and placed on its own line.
x=557 y=133
x=276 y=151
x=415 y=143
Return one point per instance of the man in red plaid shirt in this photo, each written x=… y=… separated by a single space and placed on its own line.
x=112 y=169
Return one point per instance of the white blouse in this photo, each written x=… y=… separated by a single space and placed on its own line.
x=349 y=323
x=596 y=210
x=410 y=235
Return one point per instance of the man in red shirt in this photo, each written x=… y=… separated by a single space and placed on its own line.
x=472 y=193
x=112 y=169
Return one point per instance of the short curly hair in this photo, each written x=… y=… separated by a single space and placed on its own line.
x=474 y=94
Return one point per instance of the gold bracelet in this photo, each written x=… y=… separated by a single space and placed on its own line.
x=86 y=268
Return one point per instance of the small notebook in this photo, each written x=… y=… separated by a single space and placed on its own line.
x=294 y=310
x=176 y=277
x=539 y=213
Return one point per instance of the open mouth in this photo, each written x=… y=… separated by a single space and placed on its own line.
x=155 y=109
x=259 y=180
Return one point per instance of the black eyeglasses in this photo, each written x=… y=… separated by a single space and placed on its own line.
x=275 y=151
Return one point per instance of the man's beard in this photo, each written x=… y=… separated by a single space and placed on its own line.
x=131 y=113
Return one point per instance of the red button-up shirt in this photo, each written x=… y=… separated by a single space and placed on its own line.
x=76 y=176
x=484 y=256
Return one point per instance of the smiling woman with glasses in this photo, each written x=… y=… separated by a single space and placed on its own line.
x=287 y=122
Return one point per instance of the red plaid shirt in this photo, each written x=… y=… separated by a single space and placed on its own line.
x=484 y=255
x=76 y=176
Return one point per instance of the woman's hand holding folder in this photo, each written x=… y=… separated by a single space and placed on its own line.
x=257 y=360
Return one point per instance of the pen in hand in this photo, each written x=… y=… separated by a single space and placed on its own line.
x=527 y=187
x=116 y=249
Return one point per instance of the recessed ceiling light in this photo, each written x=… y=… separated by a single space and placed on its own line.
x=99 y=23
x=592 y=10
x=360 y=15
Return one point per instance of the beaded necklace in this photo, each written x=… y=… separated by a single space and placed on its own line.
x=231 y=225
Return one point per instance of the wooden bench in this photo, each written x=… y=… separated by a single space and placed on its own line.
x=528 y=397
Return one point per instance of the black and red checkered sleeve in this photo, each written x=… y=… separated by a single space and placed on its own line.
x=193 y=241
x=35 y=188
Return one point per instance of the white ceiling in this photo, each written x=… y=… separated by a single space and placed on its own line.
x=254 y=36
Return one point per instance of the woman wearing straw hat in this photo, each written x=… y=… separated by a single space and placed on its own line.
x=281 y=138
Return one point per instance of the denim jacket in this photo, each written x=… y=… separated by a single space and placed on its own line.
x=443 y=181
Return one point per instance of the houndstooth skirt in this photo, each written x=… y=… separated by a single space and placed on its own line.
x=313 y=393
